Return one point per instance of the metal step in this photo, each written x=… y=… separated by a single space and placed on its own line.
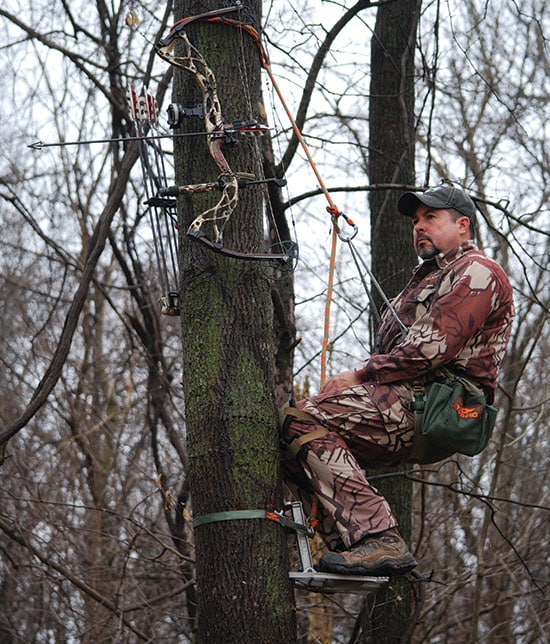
x=326 y=582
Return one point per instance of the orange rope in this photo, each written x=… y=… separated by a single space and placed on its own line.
x=328 y=302
x=331 y=208
x=313 y=520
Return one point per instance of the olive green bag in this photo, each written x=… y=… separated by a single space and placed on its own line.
x=457 y=416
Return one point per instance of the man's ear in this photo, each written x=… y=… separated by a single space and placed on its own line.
x=464 y=226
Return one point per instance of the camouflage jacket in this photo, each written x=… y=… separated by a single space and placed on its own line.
x=458 y=309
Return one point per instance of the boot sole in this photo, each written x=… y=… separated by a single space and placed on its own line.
x=332 y=562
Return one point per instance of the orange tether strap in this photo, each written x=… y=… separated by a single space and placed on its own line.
x=331 y=208
x=328 y=302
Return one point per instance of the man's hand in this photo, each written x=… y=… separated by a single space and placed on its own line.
x=341 y=381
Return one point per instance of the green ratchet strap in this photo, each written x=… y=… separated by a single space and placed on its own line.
x=296 y=445
x=233 y=515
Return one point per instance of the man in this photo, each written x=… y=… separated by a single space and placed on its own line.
x=456 y=311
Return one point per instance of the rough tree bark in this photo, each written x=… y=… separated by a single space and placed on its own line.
x=391 y=160
x=227 y=325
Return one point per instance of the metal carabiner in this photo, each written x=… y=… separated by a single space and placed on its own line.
x=352 y=235
x=335 y=213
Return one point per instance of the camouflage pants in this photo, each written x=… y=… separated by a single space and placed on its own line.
x=369 y=426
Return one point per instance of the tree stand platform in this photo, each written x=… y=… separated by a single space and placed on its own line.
x=326 y=582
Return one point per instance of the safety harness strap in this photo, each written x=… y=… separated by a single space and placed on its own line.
x=297 y=413
x=296 y=444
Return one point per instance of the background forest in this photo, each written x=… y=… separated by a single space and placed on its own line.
x=95 y=537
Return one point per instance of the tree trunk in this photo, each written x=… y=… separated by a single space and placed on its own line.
x=391 y=160
x=244 y=593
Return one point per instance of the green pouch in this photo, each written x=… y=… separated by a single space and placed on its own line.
x=457 y=416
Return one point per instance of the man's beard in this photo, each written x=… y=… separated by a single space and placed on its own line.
x=427 y=252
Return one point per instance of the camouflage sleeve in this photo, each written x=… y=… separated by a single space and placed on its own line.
x=462 y=313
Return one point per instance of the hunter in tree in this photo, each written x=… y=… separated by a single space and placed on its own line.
x=452 y=318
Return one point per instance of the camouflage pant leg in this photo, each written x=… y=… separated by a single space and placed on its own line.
x=300 y=487
x=369 y=426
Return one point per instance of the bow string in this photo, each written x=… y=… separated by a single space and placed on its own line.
x=144 y=113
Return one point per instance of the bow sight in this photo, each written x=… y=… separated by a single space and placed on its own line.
x=176 y=113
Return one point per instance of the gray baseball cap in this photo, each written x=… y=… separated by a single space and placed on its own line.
x=439 y=197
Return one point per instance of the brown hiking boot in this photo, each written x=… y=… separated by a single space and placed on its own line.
x=381 y=554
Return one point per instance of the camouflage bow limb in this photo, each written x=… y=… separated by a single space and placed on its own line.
x=192 y=61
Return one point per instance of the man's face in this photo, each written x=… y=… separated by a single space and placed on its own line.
x=435 y=231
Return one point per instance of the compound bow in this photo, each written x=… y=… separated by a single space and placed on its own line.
x=218 y=133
